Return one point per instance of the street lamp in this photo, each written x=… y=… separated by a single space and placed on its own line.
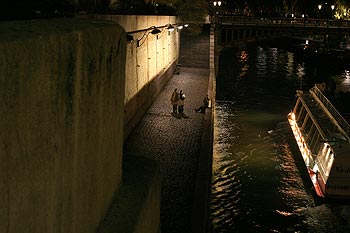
x=326 y=9
x=155 y=31
x=218 y=3
x=332 y=10
x=319 y=8
x=170 y=28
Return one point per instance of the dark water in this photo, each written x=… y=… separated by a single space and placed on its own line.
x=259 y=181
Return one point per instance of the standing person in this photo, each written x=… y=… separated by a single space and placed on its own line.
x=181 y=102
x=205 y=105
x=175 y=99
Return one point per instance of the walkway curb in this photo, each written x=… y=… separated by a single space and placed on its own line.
x=201 y=206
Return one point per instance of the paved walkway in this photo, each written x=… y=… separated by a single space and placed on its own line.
x=174 y=141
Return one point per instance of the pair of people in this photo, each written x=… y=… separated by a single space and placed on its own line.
x=206 y=102
x=178 y=101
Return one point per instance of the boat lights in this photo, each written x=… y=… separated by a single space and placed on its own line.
x=315 y=168
x=304 y=150
x=306 y=153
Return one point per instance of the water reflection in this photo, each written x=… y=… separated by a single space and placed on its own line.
x=243 y=58
x=260 y=183
x=273 y=59
x=345 y=82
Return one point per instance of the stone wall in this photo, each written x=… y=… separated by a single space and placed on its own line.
x=62 y=92
x=148 y=66
x=136 y=206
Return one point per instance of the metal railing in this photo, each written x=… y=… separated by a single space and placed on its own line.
x=319 y=129
x=290 y=22
x=331 y=109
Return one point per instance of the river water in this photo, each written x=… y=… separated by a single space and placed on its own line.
x=260 y=183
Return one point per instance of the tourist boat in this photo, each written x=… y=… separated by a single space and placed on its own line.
x=322 y=135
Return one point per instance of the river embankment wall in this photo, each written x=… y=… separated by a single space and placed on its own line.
x=71 y=91
x=151 y=60
x=61 y=118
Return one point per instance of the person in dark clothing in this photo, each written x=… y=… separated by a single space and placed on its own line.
x=205 y=105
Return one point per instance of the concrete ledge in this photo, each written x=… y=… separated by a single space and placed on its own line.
x=136 y=206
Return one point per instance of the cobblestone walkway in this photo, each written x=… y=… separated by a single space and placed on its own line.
x=174 y=141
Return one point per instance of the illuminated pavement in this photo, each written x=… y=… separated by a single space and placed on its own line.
x=175 y=142
x=180 y=143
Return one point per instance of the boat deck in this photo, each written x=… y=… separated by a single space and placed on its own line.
x=322 y=135
x=325 y=121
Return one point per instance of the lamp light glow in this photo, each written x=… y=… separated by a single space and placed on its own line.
x=155 y=31
x=170 y=28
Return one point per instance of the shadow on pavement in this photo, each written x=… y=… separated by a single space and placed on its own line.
x=180 y=115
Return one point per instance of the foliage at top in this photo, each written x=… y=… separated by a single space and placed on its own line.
x=33 y=9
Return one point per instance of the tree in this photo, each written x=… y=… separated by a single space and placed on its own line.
x=290 y=6
x=193 y=12
x=34 y=9
x=342 y=10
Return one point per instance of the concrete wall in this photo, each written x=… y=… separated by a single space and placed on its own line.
x=61 y=120
x=149 y=66
x=136 y=206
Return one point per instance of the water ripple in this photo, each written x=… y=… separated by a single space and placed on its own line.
x=259 y=181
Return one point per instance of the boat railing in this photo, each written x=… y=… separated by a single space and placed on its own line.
x=331 y=109
x=319 y=129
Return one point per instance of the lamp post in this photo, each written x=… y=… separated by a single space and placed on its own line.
x=215 y=11
x=153 y=30
x=319 y=8
x=332 y=10
x=328 y=11
x=217 y=3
